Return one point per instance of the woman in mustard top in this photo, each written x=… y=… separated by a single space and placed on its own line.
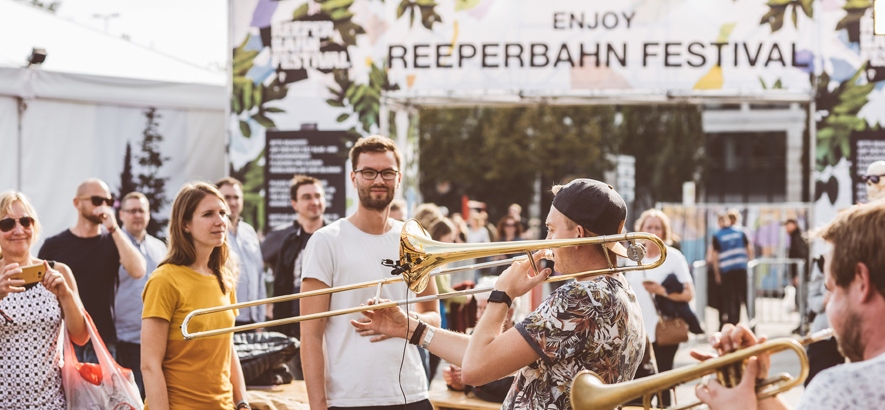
x=204 y=373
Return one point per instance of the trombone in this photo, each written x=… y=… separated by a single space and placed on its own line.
x=589 y=392
x=419 y=256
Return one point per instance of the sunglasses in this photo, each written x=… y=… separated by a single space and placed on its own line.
x=8 y=224
x=871 y=178
x=818 y=261
x=98 y=200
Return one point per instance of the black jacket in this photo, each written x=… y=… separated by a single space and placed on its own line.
x=284 y=280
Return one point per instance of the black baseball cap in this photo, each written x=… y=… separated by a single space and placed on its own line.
x=596 y=206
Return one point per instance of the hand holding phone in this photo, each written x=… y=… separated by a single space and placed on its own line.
x=31 y=274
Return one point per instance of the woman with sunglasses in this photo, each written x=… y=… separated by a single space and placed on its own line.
x=509 y=229
x=31 y=314
x=196 y=274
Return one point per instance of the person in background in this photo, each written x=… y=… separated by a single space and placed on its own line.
x=443 y=231
x=731 y=252
x=31 y=314
x=95 y=257
x=398 y=210
x=309 y=201
x=509 y=230
x=196 y=274
x=341 y=367
x=662 y=291
x=515 y=212
x=135 y=213
x=854 y=276
x=825 y=353
x=798 y=250
x=460 y=228
x=247 y=252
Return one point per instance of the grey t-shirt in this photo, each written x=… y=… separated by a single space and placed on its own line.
x=128 y=304
x=855 y=386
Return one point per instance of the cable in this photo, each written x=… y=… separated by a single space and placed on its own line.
x=403 y=360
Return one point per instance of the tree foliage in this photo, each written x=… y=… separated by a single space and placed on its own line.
x=668 y=144
x=149 y=182
x=497 y=155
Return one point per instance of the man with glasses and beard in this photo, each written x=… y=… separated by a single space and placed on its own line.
x=854 y=276
x=95 y=256
x=342 y=368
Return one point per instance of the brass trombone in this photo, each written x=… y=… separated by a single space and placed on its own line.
x=419 y=256
x=589 y=392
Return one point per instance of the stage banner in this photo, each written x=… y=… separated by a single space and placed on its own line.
x=332 y=65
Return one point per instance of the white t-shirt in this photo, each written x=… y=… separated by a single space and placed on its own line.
x=358 y=372
x=675 y=264
x=855 y=386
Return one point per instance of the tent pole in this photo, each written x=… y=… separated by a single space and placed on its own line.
x=21 y=106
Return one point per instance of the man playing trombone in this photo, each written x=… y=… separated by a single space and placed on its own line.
x=854 y=275
x=593 y=323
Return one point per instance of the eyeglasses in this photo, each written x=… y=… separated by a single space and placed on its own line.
x=8 y=224
x=134 y=211
x=872 y=178
x=98 y=200
x=370 y=174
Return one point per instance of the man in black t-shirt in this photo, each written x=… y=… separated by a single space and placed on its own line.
x=95 y=256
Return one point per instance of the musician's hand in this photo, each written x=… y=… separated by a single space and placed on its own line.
x=452 y=376
x=741 y=397
x=732 y=338
x=520 y=278
x=389 y=322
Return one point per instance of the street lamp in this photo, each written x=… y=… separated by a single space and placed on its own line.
x=37 y=57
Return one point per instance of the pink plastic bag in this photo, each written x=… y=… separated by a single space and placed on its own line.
x=90 y=386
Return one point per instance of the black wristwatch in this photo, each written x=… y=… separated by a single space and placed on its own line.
x=499 y=296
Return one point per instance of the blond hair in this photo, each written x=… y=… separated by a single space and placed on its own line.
x=10 y=197
x=665 y=223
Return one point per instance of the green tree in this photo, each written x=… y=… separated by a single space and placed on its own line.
x=149 y=182
x=668 y=144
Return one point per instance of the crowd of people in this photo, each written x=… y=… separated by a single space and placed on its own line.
x=137 y=290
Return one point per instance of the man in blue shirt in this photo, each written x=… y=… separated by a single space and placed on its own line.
x=243 y=242
x=135 y=214
x=731 y=252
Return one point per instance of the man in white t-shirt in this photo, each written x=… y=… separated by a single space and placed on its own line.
x=342 y=367
x=854 y=275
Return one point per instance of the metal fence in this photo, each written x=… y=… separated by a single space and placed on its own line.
x=767 y=279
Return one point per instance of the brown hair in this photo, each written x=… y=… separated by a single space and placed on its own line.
x=374 y=143
x=181 y=247
x=665 y=223
x=502 y=221
x=441 y=227
x=297 y=182
x=228 y=181
x=8 y=198
x=426 y=214
x=858 y=235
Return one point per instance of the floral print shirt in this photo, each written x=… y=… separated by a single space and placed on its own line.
x=594 y=325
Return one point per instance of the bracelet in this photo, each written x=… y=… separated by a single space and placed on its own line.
x=112 y=229
x=243 y=405
x=417 y=335
x=428 y=337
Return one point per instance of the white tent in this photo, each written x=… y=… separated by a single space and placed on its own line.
x=71 y=117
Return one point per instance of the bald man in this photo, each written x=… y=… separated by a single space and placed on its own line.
x=95 y=256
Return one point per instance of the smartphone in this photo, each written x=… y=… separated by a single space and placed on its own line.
x=31 y=274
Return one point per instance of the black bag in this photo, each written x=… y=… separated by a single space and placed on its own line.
x=263 y=357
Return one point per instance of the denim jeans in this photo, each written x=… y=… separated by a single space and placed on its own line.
x=129 y=356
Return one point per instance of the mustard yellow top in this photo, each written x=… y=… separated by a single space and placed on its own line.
x=198 y=371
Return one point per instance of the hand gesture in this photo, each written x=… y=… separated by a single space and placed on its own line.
x=520 y=278
x=7 y=283
x=654 y=288
x=732 y=338
x=106 y=214
x=55 y=282
x=389 y=322
x=452 y=376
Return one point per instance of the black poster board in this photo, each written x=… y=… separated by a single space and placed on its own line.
x=866 y=147
x=320 y=154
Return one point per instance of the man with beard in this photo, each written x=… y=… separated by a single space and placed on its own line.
x=854 y=275
x=341 y=367
x=95 y=257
